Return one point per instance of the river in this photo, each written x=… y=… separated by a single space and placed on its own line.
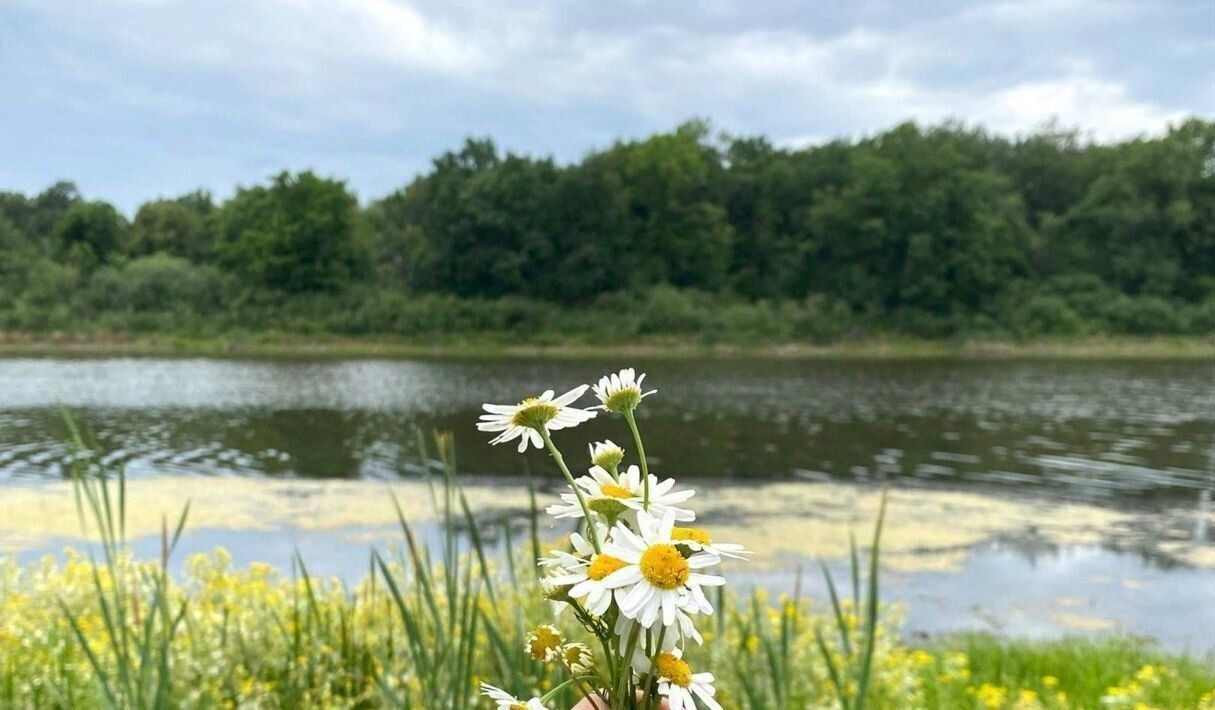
x=1032 y=498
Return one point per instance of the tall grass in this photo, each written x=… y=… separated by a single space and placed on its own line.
x=138 y=637
x=430 y=621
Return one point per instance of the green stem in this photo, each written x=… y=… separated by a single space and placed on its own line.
x=626 y=669
x=601 y=632
x=583 y=688
x=565 y=684
x=645 y=681
x=591 y=528
x=645 y=467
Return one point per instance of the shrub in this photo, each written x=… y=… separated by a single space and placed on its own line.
x=156 y=283
x=1142 y=315
x=1045 y=314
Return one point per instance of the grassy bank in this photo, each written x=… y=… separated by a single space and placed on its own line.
x=428 y=623
x=284 y=345
x=78 y=634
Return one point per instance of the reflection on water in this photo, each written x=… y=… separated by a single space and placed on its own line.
x=1090 y=430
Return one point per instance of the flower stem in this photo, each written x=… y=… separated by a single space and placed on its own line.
x=624 y=692
x=645 y=680
x=645 y=467
x=591 y=528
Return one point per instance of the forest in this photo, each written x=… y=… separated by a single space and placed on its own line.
x=941 y=231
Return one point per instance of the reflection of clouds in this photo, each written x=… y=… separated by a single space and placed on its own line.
x=926 y=530
x=38 y=512
x=1196 y=555
x=1080 y=622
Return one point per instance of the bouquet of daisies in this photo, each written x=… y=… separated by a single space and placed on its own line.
x=633 y=574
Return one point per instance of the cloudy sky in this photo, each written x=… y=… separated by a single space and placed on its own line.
x=138 y=98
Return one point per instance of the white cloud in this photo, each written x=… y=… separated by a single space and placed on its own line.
x=382 y=31
x=1102 y=106
x=268 y=84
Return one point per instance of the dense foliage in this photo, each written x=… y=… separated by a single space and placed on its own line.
x=935 y=232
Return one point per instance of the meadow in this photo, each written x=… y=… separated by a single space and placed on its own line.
x=428 y=623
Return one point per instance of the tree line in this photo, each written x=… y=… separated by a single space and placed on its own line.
x=932 y=231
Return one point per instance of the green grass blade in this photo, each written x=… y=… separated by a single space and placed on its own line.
x=871 y=609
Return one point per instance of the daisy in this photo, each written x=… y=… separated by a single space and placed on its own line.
x=565 y=560
x=506 y=701
x=698 y=540
x=544 y=644
x=563 y=568
x=657 y=580
x=586 y=582
x=677 y=634
x=676 y=680
x=578 y=657
x=605 y=454
x=526 y=420
x=620 y=392
x=611 y=496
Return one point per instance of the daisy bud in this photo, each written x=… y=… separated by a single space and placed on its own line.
x=606 y=455
x=620 y=392
x=556 y=592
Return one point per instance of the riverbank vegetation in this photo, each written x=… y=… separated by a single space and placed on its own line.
x=915 y=233
x=254 y=637
x=278 y=345
x=446 y=609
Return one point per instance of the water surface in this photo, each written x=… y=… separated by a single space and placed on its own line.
x=1033 y=498
x=1118 y=430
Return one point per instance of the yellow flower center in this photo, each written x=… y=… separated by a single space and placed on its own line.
x=577 y=656
x=664 y=567
x=673 y=669
x=603 y=565
x=534 y=413
x=616 y=491
x=518 y=706
x=544 y=643
x=690 y=534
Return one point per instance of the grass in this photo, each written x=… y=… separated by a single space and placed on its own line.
x=1107 y=671
x=284 y=345
x=429 y=622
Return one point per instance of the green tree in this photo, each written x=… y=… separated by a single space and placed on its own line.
x=1145 y=226
x=181 y=227
x=298 y=234
x=36 y=217
x=640 y=214
x=91 y=233
x=918 y=226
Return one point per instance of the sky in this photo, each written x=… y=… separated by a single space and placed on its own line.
x=135 y=99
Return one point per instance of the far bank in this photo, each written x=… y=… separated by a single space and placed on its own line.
x=285 y=345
